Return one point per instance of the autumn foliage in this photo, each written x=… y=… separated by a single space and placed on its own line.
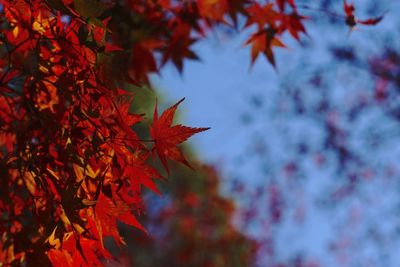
x=71 y=165
x=190 y=225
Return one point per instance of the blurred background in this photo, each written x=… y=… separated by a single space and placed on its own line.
x=300 y=167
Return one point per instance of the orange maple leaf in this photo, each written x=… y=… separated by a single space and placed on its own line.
x=213 y=9
x=263 y=41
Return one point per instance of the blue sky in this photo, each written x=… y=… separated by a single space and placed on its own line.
x=248 y=111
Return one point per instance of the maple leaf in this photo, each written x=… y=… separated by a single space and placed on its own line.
x=143 y=56
x=261 y=15
x=107 y=212
x=351 y=19
x=370 y=21
x=127 y=120
x=213 y=9
x=282 y=4
x=166 y=137
x=140 y=173
x=60 y=258
x=348 y=8
x=84 y=252
x=178 y=47
x=262 y=42
x=237 y=7
x=293 y=23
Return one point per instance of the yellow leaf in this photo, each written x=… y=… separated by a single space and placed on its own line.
x=53 y=174
x=15 y=31
x=53 y=241
x=78 y=172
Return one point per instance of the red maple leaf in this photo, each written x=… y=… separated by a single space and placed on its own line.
x=263 y=42
x=179 y=47
x=214 y=10
x=166 y=137
x=107 y=212
x=282 y=3
x=293 y=23
x=140 y=173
